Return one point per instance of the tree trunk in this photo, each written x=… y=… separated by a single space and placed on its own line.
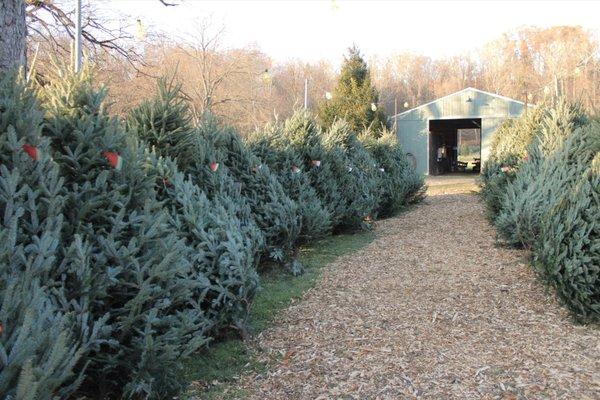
x=13 y=31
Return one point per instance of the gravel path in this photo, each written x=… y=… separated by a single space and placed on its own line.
x=430 y=309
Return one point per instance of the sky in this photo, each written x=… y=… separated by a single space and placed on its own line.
x=324 y=29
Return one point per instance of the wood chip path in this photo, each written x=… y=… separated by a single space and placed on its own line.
x=431 y=309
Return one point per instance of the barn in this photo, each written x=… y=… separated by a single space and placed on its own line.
x=453 y=133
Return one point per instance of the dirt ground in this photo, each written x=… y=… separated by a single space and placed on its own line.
x=431 y=309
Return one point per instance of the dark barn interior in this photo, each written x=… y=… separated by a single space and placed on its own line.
x=447 y=151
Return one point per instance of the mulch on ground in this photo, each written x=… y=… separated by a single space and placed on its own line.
x=431 y=309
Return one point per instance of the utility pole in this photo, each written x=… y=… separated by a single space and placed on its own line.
x=395 y=115
x=306 y=93
x=78 y=37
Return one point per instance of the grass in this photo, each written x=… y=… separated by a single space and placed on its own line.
x=211 y=370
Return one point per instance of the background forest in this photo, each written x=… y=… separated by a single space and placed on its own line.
x=246 y=87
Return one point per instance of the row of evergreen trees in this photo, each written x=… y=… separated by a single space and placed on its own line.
x=542 y=189
x=127 y=245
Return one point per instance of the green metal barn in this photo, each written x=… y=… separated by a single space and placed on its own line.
x=453 y=133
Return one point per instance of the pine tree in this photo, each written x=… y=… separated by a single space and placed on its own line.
x=165 y=123
x=219 y=250
x=555 y=157
x=276 y=214
x=43 y=336
x=273 y=150
x=354 y=99
x=401 y=185
x=302 y=137
x=357 y=174
x=567 y=256
x=143 y=280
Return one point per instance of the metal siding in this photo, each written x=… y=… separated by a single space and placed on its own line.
x=413 y=129
x=412 y=135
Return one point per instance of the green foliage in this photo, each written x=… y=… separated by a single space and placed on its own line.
x=143 y=280
x=219 y=254
x=547 y=197
x=275 y=213
x=555 y=157
x=354 y=99
x=400 y=183
x=357 y=174
x=273 y=149
x=44 y=333
x=567 y=255
x=508 y=150
x=164 y=122
x=303 y=140
x=124 y=251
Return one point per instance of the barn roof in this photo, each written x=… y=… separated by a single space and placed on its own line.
x=482 y=98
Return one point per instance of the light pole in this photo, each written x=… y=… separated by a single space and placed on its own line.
x=306 y=93
x=78 y=37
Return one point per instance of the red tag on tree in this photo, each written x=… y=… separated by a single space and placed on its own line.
x=213 y=166
x=31 y=151
x=295 y=169
x=316 y=163
x=114 y=159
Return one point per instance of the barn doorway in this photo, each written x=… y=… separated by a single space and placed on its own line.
x=454 y=146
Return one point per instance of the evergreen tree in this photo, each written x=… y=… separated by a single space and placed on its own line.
x=401 y=185
x=165 y=123
x=567 y=255
x=220 y=251
x=44 y=332
x=273 y=150
x=303 y=138
x=354 y=98
x=556 y=156
x=143 y=280
x=357 y=173
x=276 y=214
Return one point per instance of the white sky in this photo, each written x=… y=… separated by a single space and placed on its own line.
x=314 y=30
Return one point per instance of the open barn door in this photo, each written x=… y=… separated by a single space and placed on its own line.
x=454 y=145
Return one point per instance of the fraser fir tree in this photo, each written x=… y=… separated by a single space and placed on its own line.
x=354 y=99
x=544 y=173
x=567 y=255
x=273 y=150
x=165 y=123
x=303 y=138
x=357 y=173
x=401 y=185
x=220 y=253
x=143 y=279
x=44 y=332
x=275 y=213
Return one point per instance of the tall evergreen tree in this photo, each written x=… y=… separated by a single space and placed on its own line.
x=354 y=98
